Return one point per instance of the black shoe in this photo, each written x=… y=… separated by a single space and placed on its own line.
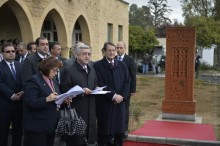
x=125 y=136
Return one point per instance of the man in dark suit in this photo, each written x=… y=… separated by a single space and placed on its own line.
x=129 y=61
x=110 y=107
x=31 y=47
x=10 y=97
x=55 y=51
x=22 y=52
x=32 y=61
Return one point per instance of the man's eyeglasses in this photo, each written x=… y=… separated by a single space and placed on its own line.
x=10 y=51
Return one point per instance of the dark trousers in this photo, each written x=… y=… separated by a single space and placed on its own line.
x=127 y=104
x=14 y=118
x=110 y=140
x=37 y=139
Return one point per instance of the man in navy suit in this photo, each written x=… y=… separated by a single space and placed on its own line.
x=110 y=107
x=55 y=51
x=32 y=61
x=10 y=97
x=22 y=52
x=129 y=61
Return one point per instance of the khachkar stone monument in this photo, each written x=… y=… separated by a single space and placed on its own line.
x=179 y=103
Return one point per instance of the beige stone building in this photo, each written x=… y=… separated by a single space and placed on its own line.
x=67 y=21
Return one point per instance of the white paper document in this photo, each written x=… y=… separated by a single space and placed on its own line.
x=98 y=90
x=73 y=92
x=76 y=90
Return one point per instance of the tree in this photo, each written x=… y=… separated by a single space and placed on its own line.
x=217 y=10
x=207 y=30
x=204 y=15
x=141 y=41
x=159 y=9
x=203 y=8
x=140 y=16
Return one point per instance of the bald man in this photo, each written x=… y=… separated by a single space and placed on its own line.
x=129 y=61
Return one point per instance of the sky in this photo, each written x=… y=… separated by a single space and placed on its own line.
x=174 y=5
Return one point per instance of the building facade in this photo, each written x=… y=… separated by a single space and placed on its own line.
x=67 y=21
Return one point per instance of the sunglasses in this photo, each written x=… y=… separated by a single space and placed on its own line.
x=10 y=51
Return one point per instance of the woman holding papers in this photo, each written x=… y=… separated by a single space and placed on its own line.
x=83 y=75
x=40 y=110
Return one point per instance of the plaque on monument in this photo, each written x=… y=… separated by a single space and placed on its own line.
x=179 y=103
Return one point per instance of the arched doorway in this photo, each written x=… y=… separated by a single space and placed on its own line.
x=77 y=34
x=14 y=22
x=49 y=29
x=81 y=31
x=53 y=29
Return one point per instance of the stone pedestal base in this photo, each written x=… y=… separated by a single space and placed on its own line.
x=179 y=117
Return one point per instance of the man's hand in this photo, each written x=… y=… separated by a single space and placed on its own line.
x=118 y=98
x=87 y=91
x=68 y=101
x=17 y=96
x=132 y=94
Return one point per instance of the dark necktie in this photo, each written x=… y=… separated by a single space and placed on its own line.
x=13 y=70
x=22 y=58
x=119 y=58
x=58 y=76
x=112 y=64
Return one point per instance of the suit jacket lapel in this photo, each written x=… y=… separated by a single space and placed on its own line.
x=44 y=84
x=8 y=70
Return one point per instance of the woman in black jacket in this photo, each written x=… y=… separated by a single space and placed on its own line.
x=40 y=109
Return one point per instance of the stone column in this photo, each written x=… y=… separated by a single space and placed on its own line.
x=179 y=103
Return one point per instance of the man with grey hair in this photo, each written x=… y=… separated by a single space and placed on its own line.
x=82 y=74
x=70 y=61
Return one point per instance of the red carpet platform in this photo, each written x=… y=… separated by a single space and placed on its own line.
x=164 y=133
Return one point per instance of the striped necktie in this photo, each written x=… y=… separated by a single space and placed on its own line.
x=85 y=68
x=13 y=70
